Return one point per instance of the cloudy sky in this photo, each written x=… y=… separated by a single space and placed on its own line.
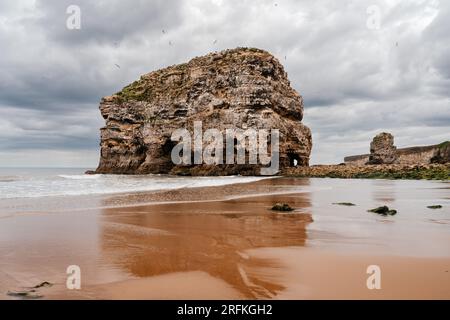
x=362 y=67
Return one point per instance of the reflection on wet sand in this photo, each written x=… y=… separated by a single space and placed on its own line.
x=225 y=243
x=207 y=236
x=384 y=190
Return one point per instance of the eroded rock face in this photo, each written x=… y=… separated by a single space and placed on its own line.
x=240 y=88
x=441 y=153
x=382 y=149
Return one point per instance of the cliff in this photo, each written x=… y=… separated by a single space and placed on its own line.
x=240 y=88
x=421 y=155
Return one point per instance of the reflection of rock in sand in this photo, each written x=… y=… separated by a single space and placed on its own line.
x=210 y=237
x=195 y=285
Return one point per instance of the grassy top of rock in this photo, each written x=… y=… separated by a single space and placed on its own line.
x=151 y=84
x=443 y=145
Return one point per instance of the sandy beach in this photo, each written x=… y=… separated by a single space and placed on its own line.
x=224 y=242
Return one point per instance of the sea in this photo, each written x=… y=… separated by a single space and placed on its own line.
x=44 y=189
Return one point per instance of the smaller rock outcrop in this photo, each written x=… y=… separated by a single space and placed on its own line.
x=382 y=149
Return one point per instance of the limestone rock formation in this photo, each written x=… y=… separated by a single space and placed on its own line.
x=239 y=88
x=441 y=153
x=382 y=149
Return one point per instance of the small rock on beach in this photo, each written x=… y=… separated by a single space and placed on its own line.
x=384 y=210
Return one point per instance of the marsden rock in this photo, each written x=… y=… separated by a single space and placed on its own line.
x=382 y=149
x=239 y=88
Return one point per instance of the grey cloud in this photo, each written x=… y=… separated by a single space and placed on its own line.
x=355 y=81
x=40 y=129
x=107 y=22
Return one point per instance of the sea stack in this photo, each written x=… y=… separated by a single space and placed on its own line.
x=239 y=88
x=382 y=149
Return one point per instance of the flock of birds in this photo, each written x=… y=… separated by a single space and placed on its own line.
x=171 y=43
x=214 y=42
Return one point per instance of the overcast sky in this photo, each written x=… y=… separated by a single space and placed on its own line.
x=358 y=75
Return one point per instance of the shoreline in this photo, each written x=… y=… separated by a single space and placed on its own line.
x=195 y=194
x=435 y=171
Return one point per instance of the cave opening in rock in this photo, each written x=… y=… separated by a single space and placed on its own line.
x=167 y=147
x=294 y=159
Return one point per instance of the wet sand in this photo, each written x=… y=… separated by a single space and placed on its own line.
x=225 y=243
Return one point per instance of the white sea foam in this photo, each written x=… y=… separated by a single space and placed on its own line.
x=45 y=185
x=79 y=176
